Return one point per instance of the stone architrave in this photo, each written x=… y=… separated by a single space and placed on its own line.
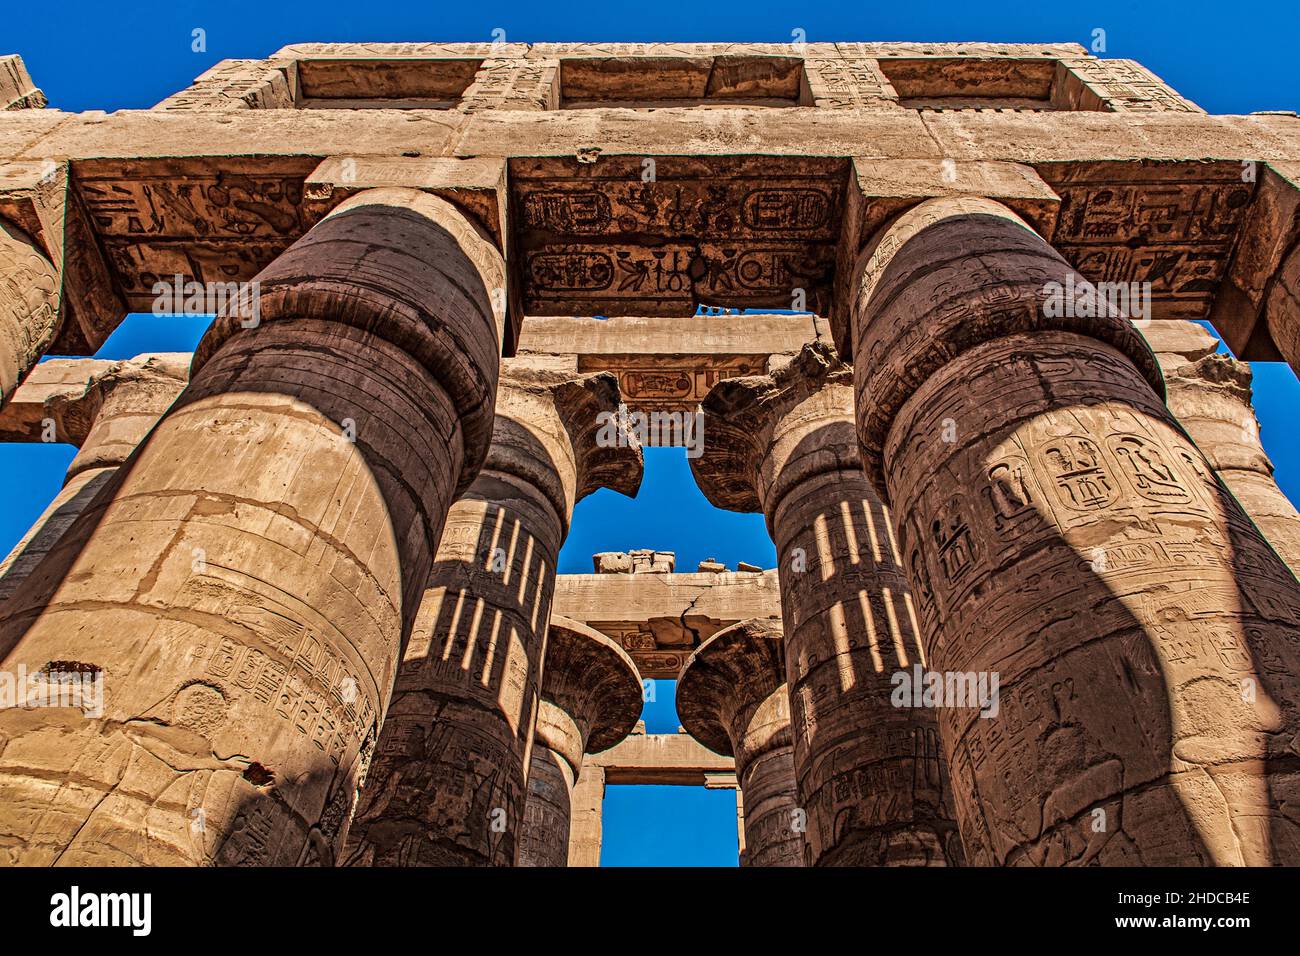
x=869 y=773
x=116 y=409
x=591 y=700
x=732 y=698
x=243 y=592
x=449 y=780
x=1065 y=536
x=29 y=306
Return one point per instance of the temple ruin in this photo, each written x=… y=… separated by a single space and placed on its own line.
x=938 y=312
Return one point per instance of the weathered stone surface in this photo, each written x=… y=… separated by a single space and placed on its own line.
x=591 y=699
x=871 y=781
x=108 y=416
x=732 y=697
x=448 y=783
x=254 y=571
x=1062 y=533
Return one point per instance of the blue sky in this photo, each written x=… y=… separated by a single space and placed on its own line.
x=1229 y=58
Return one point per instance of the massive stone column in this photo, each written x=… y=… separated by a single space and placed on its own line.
x=448 y=783
x=1064 y=534
x=1210 y=395
x=869 y=773
x=732 y=697
x=591 y=699
x=29 y=299
x=108 y=416
x=244 y=584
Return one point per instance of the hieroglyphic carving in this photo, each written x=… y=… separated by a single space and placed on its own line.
x=848 y=83
x=749 y=239
x=237 y=84
x=1125 y=86
x=513 y=84
x=1117 y=225
x=202 y=224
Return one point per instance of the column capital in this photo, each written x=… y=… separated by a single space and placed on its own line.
x=949 y=275
x=727 y=681
x=591 y=692
x=765 y=434
x=547 y=434
x=123 y=403
x=408 y=268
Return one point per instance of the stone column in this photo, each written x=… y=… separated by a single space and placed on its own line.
x=1282 y=309
x=244 y=585
x=591 y=699
x=29 y=300
x=870 y=777
x=1065 y=536
x=448 y=783
x=586 y=814
x=732 y=697
x=1211 y=398
x=109 y=416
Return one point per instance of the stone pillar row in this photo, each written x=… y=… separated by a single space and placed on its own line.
x=244 y=584
x=591 y=700
x=869 y=775
x=1062 y=531
x=732 y=697
x=448 y=783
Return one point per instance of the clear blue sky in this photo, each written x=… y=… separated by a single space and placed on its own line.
x=1229 y=58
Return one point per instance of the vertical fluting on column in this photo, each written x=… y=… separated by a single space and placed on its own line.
x=244 y=585
x=870 y=776
x=1211 y=398
x=29 y=300
x=1065 y=536
x=448 y=782
x=122 y=404
x=591 y=699
x=732 y=698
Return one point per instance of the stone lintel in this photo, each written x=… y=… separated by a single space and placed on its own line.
x=1267 y=236
x=660 y=759
x=660 y=618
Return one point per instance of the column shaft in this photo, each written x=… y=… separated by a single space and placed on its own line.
x=449 y=780
x=244 y=589
x=1064 y=536
x=870 y=777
